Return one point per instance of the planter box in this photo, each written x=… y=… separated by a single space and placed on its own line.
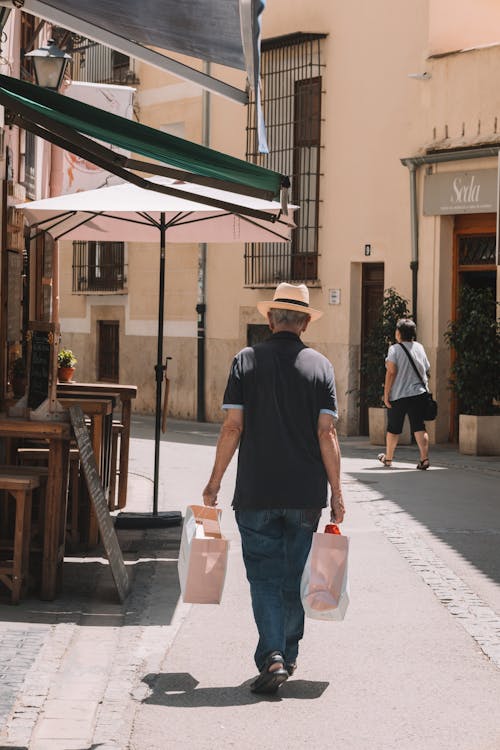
x=479 y=436
x=377 y=426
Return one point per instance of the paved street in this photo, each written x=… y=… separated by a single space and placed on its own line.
x=414 y=666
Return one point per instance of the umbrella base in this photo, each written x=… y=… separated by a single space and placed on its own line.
x=148 y=520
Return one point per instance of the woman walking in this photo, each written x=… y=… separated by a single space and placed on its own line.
x=405 y=393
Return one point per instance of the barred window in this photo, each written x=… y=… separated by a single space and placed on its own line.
x=99 y=267
x=93 y=62
x=292 y=89
x=28 y=163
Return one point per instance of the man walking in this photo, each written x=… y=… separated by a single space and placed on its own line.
x=280 y=409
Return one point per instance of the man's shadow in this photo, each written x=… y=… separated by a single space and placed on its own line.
x=180 y=690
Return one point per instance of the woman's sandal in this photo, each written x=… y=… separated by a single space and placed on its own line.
x=269 y=682
x=423 y=465
x=383 y=460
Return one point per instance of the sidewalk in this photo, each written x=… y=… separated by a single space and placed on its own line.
x=442 y=454
x=415 y=665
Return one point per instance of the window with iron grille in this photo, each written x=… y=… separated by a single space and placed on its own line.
x=477 y=250
x=93 y=62
x=99 y=267
x=27 y=44
x=291 y=92
x=29 y=163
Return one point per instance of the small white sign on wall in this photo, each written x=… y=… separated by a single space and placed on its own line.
x=334 y=296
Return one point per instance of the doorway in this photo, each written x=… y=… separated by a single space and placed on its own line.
x=474 y=265
x=372 y=297
x=108 y=353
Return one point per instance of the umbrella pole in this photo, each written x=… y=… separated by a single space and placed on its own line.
x=159 y=363
x=166 y=518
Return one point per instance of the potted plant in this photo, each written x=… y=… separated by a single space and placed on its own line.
x=474 y=338
x=19 y=378
x=372 y=369
x=66 y=362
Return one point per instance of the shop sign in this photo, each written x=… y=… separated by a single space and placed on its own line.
x=473 y=192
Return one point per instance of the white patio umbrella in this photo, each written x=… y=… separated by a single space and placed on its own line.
x=128 y=213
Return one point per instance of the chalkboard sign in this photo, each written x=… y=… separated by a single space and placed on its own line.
x=96 y=492
x=40 y=364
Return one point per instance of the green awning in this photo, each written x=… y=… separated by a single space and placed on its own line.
x=67 y=122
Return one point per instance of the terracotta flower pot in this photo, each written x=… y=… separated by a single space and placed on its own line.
x=65 y=374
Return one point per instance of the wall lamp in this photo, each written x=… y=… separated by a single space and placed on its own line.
x=50 y=65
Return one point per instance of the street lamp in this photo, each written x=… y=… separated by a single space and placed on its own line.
x=50 y=64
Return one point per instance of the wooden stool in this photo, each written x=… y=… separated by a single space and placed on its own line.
x=20 y=484
x=40 y=456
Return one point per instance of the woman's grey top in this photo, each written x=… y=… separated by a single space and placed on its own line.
x=406 y=383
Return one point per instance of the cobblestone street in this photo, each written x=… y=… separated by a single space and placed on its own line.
x=414 y=666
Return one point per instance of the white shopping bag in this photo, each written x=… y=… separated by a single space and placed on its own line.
x=202 y=556
x=324 y=587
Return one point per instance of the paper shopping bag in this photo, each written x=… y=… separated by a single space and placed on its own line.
x=324 y=587
x=202 y=556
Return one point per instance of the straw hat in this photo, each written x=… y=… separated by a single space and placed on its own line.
x=290 y=297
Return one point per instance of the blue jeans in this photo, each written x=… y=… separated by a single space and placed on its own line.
x=275 y=545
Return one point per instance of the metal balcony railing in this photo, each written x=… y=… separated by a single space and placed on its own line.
x=99 y=267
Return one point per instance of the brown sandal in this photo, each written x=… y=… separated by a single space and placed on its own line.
x=386 y=461
x=423 y=465
x=269 y=681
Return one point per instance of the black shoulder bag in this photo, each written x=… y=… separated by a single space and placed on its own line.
x=431 y=407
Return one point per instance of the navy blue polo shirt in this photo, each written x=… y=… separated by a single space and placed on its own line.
x=283 y=386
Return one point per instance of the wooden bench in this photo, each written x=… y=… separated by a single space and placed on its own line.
x=19 y=483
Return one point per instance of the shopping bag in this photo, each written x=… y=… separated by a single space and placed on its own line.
x=324 y=587
x=202 y=556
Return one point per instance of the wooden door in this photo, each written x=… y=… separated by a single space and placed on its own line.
x=372 y=297
x=474 y=265
x=108 y=351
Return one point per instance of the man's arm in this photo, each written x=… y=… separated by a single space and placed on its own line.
x=330 y=454
x=229 y=439
x=390 y=376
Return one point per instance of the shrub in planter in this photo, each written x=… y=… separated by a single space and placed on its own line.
x=66 y=358
x=475 y=372
x=66 y=362
x=372 y=369
x=380 y=337
x=475 y=338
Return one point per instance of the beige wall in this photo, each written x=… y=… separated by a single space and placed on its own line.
x=370 y=120
x=374 y=115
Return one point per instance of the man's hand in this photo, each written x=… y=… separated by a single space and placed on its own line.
x=338 y=509
x=387 y=403
x=210 y=494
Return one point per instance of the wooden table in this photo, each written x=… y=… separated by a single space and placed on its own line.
x=58 y=437
x=125 y=393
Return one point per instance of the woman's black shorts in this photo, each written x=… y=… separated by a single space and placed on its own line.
x=414 y=406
